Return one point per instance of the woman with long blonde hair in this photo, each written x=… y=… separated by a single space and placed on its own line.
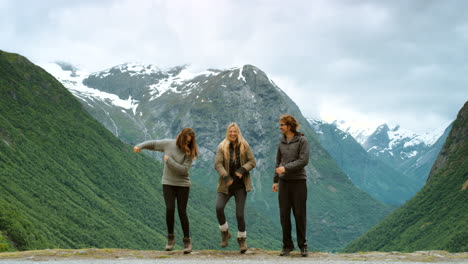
x=178 y=156
x=234 y=161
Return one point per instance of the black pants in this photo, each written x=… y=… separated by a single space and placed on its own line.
x=292 y=195
x=181 y=194
x=240 y=195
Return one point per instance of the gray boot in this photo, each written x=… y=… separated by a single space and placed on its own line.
x=225 y=235
x=242 y=244
x=170 y=242
x=187 y=245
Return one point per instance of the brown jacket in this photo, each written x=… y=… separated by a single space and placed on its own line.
x=222 y=167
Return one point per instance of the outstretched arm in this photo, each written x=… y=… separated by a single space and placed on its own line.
x=156 y=145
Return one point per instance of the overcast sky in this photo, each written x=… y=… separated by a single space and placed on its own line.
x=401 y=62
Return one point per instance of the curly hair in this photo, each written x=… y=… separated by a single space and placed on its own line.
x=290 y=121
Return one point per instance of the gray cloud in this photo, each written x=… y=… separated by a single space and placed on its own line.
x=397 y=61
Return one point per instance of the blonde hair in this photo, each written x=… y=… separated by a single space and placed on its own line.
x=241 y=142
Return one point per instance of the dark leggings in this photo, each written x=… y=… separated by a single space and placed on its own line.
x=181 y=194
x=240 y=195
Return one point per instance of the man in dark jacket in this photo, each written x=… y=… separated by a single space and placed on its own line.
x=290 y=180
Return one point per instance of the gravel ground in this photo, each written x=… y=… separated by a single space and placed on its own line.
x=209 y=261
x=252 y=256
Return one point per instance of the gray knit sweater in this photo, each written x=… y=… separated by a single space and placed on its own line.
x=176 y=169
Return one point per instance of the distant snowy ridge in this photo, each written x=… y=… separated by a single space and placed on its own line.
x=133 y=68
x=395 y=133
x=73 y=81
x=396 y=142
x=179 y=79
x=72 y=78
x=360 y=134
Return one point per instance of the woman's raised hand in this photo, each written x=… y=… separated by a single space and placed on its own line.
x=136 y=149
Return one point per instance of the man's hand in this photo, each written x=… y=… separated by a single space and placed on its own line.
x=275 y=187
x=239 y=175
x=136 y=149
x=166 y=157
x=280 y=170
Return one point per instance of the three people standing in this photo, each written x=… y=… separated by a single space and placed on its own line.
x=233 y=161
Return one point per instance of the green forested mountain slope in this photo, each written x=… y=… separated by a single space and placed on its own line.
x=437 y=217
x=5 y=244
x=67 y=182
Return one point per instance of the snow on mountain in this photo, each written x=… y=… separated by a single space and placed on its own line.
x=398 y=134
x=359 y=133
x=383 y=141
x=180 y=79
x=316 y=124
x=133 y=68
x=395 y=134
x=72 y=79
x=172 y=82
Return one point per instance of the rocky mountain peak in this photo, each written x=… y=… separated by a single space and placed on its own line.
x=379 y=139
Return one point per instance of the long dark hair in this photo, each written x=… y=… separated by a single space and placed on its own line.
x=191 y=148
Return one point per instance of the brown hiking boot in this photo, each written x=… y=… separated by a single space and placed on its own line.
x=242 y=244
x=170 y=242
x=187 y=245
x=225 y=235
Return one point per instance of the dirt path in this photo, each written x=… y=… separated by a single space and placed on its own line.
x=214 y=256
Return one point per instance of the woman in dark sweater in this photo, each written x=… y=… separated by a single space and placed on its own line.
x=178 y=157
x=234 y=159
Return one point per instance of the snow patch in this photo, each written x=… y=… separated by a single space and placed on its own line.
x=74 y=83
x=372 y=148
x=359 y=133
x=411 y=154
x=135 y=69
x=241 y=77
x=171 y=83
